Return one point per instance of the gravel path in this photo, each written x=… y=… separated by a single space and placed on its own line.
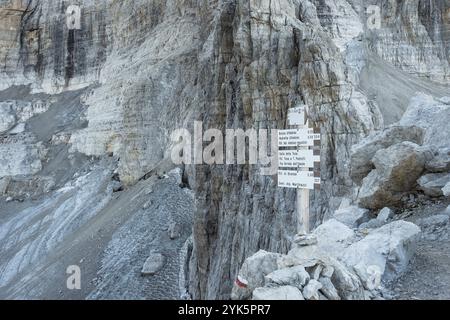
x=429 y=273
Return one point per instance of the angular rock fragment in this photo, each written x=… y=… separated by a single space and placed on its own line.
x=385 y=215
x=174 y=231
x=153 y=264
x=352 y=217
x=295 y=276
x=433 y=184
x=278 y=293
x=311 y=291
x=446 y=190
x=254 y=269
x=328 y=289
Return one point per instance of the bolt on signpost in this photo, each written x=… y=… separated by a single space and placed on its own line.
x=296 y=160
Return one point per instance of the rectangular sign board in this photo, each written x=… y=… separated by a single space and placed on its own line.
x=297 y=138
x=296 y=116
x=297 y=158
x=297 y=179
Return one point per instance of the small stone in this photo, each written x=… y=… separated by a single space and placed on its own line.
x=304 y=240
x=311 y=291
x=385 y=215
x=153 y=264
x=9 y=199
x=446 y=190
x=174 y=231
x=147 y=205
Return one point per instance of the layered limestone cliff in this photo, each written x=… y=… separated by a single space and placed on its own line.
x=145 y=68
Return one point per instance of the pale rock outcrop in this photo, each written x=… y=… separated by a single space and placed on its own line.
x=352 y=271
x=20 y=155
x=389 y=248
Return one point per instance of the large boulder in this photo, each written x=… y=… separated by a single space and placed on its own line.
x=434 y=183
x=432 y=116
x=352 y=217
x=396 y=173
x=390 y=248
x=253 y=272
x=332 y=236
x=278 y=293
x=363 y=153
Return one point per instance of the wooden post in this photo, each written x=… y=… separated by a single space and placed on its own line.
x=303 y=196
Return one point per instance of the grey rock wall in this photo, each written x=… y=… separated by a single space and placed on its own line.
x=150 y=67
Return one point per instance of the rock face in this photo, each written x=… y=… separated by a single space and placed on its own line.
x=142 y=69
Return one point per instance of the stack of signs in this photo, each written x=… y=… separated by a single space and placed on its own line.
x=296 y=157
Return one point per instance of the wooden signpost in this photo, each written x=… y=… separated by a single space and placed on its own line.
x=296 y=160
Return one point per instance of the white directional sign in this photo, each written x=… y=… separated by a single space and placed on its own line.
x=297 y=158
x=297 y=179
x=297 y=138
x=296 y=116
